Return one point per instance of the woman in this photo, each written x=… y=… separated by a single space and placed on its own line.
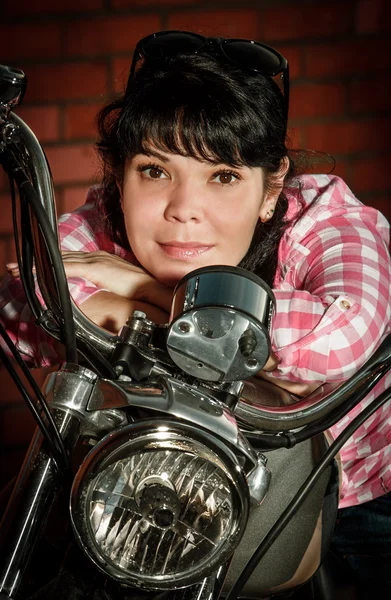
x=196 y=173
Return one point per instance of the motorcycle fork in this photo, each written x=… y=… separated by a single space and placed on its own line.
x=68 y=391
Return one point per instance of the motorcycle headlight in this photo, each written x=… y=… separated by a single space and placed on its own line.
x=159 y=504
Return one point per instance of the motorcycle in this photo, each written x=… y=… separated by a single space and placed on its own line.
x=161 y=468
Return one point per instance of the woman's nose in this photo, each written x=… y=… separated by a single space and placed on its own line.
x=184 y=204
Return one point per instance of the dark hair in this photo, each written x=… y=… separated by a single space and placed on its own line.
x=204 y=107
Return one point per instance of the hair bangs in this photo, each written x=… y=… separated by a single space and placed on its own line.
x=189 y=122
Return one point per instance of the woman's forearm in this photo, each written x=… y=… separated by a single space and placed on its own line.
x=110 y=311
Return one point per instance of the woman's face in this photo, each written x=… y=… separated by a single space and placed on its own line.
x=182 y=213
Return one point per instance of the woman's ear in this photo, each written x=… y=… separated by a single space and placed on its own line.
x=273 y=191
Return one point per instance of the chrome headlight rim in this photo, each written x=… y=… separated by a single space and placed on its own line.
x=114 y=447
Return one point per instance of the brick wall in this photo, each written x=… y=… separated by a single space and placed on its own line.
x=77 y=53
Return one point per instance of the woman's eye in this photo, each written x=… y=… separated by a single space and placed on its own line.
x=225 y=178
x=155 y=173
x=152 y=172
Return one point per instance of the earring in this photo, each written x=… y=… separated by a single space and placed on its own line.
x=268 y=215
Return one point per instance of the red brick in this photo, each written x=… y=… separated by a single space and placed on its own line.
x=6 y=213
x=372 y=174
x=294 y=138
x=343 y=58
x=319 y=162
x=11 y=461
x=72 y=164
x=230 y=23
x=369 y=95
x=298 y=21
x=315 y=100
x=308 y=161
x=3 y=256
x=3 y=180
x=349 y=137
x=373 y=16
x=66 y=81
x=382 y=203
x=341 y=169
x=43 y=120
x=107 y=35
x=293 y=56
x=79 y=121
x=33 y=40
x=142 y=3
x=17 y=424
x=121 y=68
x=24 y=7
x=73 y=197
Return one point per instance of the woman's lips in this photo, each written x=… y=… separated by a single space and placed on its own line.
x=184 y=251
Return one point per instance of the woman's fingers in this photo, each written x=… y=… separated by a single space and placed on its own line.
x=272 y=362
x=13 y=269
x=116 y=275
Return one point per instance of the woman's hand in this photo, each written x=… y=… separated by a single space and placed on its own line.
x=113 y=274
x=111 y=311
x=296 y=388
x=125 y=288
x=118 y=276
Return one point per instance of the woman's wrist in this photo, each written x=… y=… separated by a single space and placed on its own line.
x=111 y=311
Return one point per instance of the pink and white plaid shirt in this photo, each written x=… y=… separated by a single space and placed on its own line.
x=333 y=308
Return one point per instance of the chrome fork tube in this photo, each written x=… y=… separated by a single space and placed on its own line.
x=68 y=392
x=28 y=508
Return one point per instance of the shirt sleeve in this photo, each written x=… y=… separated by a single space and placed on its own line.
x=76 y=235
x=333 y=307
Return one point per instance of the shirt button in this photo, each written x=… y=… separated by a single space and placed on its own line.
x=345 y=304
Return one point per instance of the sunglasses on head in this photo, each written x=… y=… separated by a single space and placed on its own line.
x=248 y=54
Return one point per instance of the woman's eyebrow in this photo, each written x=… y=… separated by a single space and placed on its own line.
x=156 y=154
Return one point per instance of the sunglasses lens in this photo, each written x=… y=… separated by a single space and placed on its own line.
x=253 y=56
x=169 y=44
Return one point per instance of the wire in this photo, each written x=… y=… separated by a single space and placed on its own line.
x=25 y=187
x=25 y=274
x=269 y=441
x=68 y=325
x=338 y=413
x=30 y=403
x=58 y=444
x=95 y=359
x=300 y=496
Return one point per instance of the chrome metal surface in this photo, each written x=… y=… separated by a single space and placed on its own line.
x=231 y=287
x=30 y=503
x=136 y=324
x=259 y=480
x=178 y=399
x=71 y=388
x=269 y=408
x=12 y=87
x=219 y=324
x=39 y=169
x=159 y=504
